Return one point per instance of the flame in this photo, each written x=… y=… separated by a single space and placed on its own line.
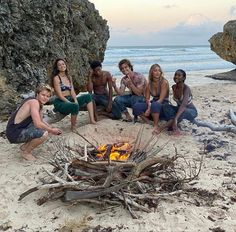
x=118 y=151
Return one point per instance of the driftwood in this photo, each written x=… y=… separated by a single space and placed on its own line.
x=232 y=116
x=138 y=183
x=52 y=117
x=215 y=127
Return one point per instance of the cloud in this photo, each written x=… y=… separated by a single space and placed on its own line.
x=232 y=11
x=121 y=30
x=196 y=20
x=197 y=29
x=169 y=6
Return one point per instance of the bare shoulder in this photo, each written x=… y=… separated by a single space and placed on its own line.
x=165 y=82
x=56 y=79
x=107 y=74
x=33 y=103
x=187 y=90
x=186 y=87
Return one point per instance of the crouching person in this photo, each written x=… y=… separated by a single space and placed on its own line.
x=185 y=108
x=26 y=125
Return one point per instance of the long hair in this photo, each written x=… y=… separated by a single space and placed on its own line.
x=55 y=71
x=150 y=77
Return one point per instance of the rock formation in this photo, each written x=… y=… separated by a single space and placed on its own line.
x=230 y=75
x=33 y=33
x=224 y=43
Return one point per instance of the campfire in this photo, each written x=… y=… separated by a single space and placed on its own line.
x=116 y=151
x=115 y=174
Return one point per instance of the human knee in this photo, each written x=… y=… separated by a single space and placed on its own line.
x=74 y=109
x=156 y=107
x=86 y=98
x=117 y=99
x=137 y=109
x=190 y=115
x=44 y=136
x=169 y=111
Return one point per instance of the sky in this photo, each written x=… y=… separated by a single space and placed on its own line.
x=164 y=22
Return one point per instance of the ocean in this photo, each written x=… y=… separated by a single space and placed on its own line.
x=197 y=61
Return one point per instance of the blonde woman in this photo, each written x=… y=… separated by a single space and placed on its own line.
x=156 y=95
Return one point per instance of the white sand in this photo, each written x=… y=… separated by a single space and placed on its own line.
x=218 y=175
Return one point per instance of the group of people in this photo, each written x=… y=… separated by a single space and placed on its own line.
x=148 y=100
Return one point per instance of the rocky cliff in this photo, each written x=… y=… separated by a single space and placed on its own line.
x=33 y=33
x=224 y=43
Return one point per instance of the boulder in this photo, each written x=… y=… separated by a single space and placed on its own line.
x=224 y=43
x=33 y=33
x=230 y=75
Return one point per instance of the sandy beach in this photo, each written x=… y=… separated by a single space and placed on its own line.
x=215 y=194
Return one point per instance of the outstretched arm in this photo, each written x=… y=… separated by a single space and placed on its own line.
x=182 y=107
x=37 y=120
x=164 y=91
x=147 y=98
x=57 y=88
x=90 y=83
x=73 y=94
x=110 y=92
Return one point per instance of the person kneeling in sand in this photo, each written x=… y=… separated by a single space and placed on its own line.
x=158 y=89
x=26 y=125
x=136 y=84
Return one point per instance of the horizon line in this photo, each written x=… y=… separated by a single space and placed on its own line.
x=171 y=45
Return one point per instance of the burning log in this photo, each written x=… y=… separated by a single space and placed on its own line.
x=115 y=174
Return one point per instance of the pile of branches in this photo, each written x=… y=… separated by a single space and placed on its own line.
x=138 y=183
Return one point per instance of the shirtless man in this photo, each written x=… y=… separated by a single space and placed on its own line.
x=26 y=125
x=100 y=83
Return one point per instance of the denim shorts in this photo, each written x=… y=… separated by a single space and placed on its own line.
x=29 y=133
x=170 y=112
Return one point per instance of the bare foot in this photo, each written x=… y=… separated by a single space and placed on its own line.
x=93 y=122
x=128 y=118
x=23 y=147
x=176 y=133
x=28 y=156
x=156 y=131
x=74 y=129
x=109 y=115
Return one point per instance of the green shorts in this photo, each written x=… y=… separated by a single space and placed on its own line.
x=71 y=107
